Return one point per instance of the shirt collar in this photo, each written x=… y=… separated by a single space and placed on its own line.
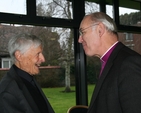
x=106 y=55
x=23 y=74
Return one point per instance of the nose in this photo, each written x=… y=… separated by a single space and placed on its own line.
x=80 y=39
x=42 y=58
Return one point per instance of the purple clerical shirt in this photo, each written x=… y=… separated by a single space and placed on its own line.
x=105 y=57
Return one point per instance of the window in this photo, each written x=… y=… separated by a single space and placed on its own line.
x=91 y=7
x=13 y=6
x=131 y=40
x=131 y=46
x=6 y=62
x=129 y=37
x=56 y=9
x=109 y=10
x=129 y=13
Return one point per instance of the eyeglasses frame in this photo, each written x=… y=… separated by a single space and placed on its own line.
x=81 y=31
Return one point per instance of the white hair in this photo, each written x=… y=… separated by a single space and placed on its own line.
x=22 y=43
x=106 y=20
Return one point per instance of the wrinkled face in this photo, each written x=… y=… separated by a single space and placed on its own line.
x=31 y=60
x=89 y=37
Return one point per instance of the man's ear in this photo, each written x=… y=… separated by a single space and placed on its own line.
x=101 y=29
x=18 y=55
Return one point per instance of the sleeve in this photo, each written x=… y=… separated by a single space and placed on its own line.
x=9 y=104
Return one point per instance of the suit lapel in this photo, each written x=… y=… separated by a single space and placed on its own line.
x=100 y=82
x=28 y=95
x=30 y=100
x=104 y=73
x=25 y=91
x=50 y=110
x=38 y=87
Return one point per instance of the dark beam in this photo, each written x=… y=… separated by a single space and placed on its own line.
x=80 y=58
x=31 y=8
x=102 y=4
x=122 y=3
x=37 y=20
x=131 y=29
x=116 y=11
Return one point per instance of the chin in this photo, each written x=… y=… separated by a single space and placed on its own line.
x=88 y=54
x=35 y=73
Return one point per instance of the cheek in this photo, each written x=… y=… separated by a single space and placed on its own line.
x=95 y=41
x=27 y=62
x=30 y=67
x=91 y=42
x=94 y=45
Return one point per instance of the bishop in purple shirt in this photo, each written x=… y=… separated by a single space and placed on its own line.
x=118 y=89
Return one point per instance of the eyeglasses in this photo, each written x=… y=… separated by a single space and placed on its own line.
x=81 y=30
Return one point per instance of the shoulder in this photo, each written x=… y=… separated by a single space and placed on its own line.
x=122 y=52
x=10 y=82
x=7 y=83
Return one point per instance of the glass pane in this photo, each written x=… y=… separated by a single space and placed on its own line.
x=131 y=40
x=54 y=8
x=129 y=13
x=91 y=7
x=109 y=10
x=5 y=64
x=13 y=6
x=130 y=17
x=57 y=74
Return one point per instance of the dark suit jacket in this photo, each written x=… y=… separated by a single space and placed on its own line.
x=119 y=88
x=16 y=98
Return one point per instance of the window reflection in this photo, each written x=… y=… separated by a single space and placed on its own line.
x=91 y=7
x=109 y=10
x=127 y=16
x=54 y=8
x=130 y=17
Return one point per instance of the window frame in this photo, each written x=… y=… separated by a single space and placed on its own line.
x=8 y=60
